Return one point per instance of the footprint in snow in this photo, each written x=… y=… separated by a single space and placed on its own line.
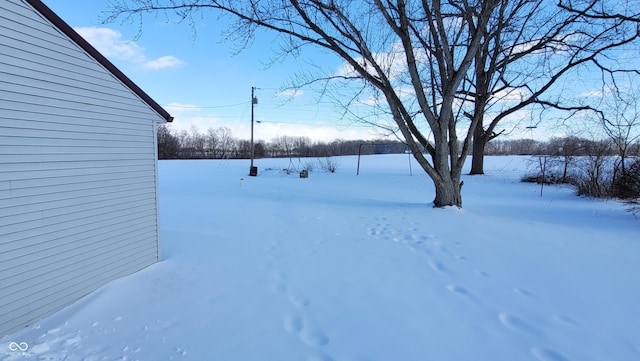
x=523 y=292
x=437 y=266
x=567 y=320
x=298 y=301
x=458 y=290
x=307 y=333
x=313 y=337
x=516 y=323
x=462 y=292
x=484 y=274
x=292 y=323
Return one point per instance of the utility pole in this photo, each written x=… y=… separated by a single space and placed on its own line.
x=253 y=171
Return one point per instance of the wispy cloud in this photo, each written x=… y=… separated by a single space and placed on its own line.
x=109 y=42
x=292 y=93
x=167 y=61
x=190 y=117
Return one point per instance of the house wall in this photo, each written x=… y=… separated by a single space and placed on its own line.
x=78 y=203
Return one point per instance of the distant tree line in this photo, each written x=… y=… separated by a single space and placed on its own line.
x=573 y=146
x=220 y=144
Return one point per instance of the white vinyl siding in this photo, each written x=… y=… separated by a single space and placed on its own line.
x=78 y=171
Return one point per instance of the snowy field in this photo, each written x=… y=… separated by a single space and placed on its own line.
x=339 y=267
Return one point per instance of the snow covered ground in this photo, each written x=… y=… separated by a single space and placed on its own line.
x=361 y=268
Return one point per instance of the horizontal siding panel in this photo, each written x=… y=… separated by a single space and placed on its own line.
x=28 y=314
x=55 y=65
x=51 y=300
x=18 y=222
x=34 y=228
x=45 y=76
x=10 y=150
x=35 y=150
x=36 y=40
x=81 y=182
x=65 y=171
x=86 y=94
x=26 y=59
x=115 y=222
x=15 y=73
x=65 y=166
x=66 y=255
x=85 y=129
x=37 y=117
x=88 y=212
x=31 y=214
x=20 y=101
x=40 y=195
x=16 y=145
x=19 y=14
x=81 y=122
x=101 y=257
x=4 y=194
x=51 y=59
x=35 y=158
x=74 y=230
x=85 y=185
x=35 y=204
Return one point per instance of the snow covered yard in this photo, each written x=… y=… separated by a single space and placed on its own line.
x=361 y=268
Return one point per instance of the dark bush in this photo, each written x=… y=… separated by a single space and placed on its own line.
x=627 y=184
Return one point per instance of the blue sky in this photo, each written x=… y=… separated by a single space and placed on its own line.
x=200 y=81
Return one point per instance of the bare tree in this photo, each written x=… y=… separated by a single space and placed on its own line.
x=391 y=48
x=226 y=142
x=621 y=119
x=565 y=152
x=168 y=144
x=211 y=142
x=530 y=47
x=197 y=143
x=605 y=10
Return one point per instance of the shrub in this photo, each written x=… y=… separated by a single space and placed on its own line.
x=627 y=185
x=309 y=165
x=328 y=164
x=594 y=177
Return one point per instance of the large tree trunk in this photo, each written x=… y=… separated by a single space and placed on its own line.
x=477 y=151
x=447 y=183
x=448 y=193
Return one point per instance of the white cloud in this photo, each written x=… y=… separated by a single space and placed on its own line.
x=188 y=117
x=109 y=42
x=512 y=94
x=292 y=93
x=592 y=94
x=392 y=62
x=168 y=61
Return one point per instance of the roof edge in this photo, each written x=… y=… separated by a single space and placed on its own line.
x=45 y=11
